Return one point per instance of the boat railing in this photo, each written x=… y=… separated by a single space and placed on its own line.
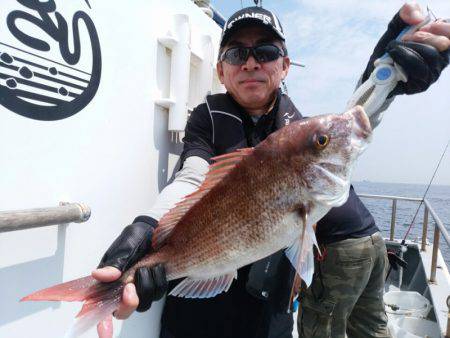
x=35 y=218
x=439 y=227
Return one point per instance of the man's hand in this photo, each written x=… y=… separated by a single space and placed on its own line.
x=150 y=284
x=130 y=299
x=436 y=33
x=422 y=55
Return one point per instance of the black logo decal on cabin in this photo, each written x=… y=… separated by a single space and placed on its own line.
x=37 y=80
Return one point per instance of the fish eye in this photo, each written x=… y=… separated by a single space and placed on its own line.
x=321 y=141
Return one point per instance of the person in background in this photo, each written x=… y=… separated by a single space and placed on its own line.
x=253 y=60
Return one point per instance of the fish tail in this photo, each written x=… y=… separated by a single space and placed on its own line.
x=100 y=300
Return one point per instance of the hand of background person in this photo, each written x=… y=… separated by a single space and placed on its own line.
x=150 y=284
x=422 y=55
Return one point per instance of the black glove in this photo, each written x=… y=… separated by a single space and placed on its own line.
x=422 y=63
x=132 y=244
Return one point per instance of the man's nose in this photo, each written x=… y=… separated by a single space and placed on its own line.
x=251 y=64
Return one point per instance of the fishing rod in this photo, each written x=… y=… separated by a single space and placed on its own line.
x=423 y=197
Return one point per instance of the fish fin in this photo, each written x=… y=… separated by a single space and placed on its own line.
x=304 y=265
x=204 y=288
x=75 y=290
x=301 y=254
x=296 y=284
x=100 y=300
x=217 y=171
x=235 y=154
x=96 y=309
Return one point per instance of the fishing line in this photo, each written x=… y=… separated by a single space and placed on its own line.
x=426 y=191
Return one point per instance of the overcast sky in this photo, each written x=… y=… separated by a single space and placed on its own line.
x=334 y=39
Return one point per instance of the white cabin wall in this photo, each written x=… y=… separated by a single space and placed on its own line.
x=115 y=155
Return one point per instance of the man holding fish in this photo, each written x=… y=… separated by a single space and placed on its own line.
x=228 y=238
x=346 y=292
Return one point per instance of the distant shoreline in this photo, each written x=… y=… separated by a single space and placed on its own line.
x=402 y=183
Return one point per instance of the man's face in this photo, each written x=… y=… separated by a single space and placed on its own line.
x=253 y=85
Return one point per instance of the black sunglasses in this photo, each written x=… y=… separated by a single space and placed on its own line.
x=261 y=53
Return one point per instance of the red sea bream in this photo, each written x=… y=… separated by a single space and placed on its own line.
x=253 y=202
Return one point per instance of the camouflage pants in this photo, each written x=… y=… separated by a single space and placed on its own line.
x=346 y=295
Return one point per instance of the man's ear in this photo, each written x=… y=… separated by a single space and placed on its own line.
x=219 y=68
x=286 y=65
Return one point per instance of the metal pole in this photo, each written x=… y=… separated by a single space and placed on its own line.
x=394 y=212
x=424 y=229
x=390 y=197
x=439 y=223
x=447 y=334
x=34 y=218
x=435 y=254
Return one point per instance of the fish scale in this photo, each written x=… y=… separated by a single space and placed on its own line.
x=238 y=226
